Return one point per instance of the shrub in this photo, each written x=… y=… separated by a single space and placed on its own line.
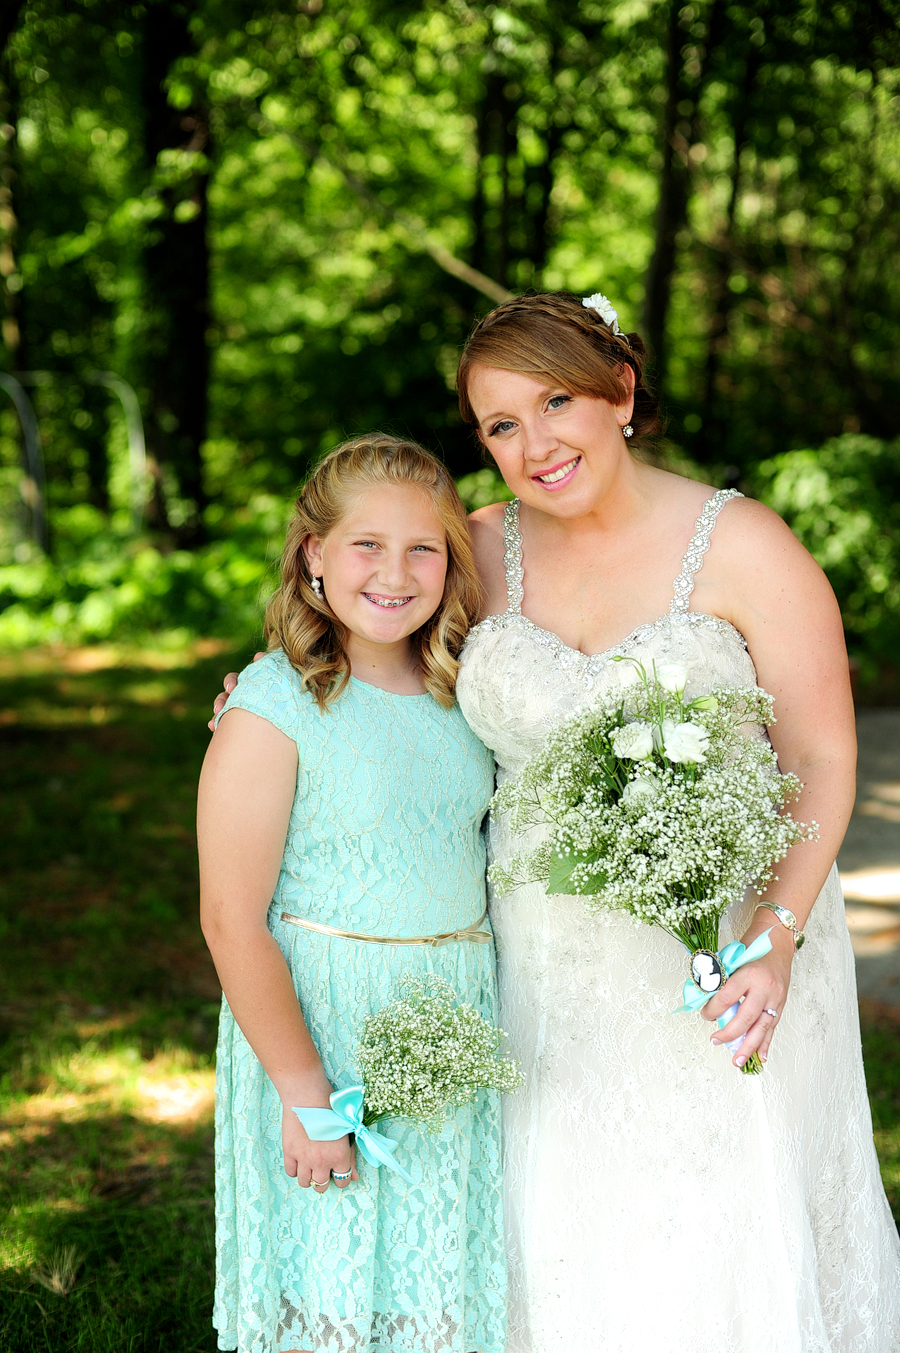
x=843 y=502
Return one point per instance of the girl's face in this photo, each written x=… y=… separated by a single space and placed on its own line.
x=558 y=452
x=384 y=564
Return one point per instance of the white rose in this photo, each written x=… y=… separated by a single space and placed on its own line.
x=634 y=741
x=639 y=793
x=628 y=674
x=684 y=742
x=672 y=676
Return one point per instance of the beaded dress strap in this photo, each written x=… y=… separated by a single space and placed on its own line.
x=512 y=559
x=693 y=559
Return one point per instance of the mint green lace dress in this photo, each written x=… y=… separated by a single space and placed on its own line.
x=385 y=839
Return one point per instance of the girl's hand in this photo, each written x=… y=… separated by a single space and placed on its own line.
x=229 y=684
x=311 y=1163
x=760 y=986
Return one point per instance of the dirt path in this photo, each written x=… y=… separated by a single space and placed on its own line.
x=870 y=858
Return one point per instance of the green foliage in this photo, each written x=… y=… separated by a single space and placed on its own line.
x=106 y=585
x=347 y=149
x=842 y=502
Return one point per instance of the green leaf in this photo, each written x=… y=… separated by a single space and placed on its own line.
x=560 y=880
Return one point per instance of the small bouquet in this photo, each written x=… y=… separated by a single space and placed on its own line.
x=422 y=1057
x=662 y=809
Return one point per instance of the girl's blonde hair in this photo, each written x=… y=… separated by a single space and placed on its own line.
x=305 y=627
x=553 y=337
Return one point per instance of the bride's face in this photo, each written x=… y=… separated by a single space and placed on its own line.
x=558 y=452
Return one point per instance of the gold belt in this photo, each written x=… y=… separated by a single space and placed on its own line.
x=469 y=932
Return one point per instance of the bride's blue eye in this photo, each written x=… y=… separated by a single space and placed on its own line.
x=502 y=426
x=557 y=401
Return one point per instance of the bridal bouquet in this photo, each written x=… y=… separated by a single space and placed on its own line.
x=664 y=809
x=422 y=1057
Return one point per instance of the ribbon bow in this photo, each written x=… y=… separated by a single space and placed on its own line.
x=346 y=1115
x=732 y=957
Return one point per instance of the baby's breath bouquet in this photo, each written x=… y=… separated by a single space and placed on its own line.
x=422 y=1057
x=425 y=1055
x=661 y=808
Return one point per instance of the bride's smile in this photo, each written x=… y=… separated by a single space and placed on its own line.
x=557 y=450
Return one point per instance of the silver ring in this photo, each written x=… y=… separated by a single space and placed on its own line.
x=769 y=1011
x=339 y=1178
x=318 y=1184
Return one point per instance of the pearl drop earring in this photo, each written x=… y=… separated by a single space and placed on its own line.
x=317 y=586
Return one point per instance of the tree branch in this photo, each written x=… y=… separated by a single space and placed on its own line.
x=415 y=230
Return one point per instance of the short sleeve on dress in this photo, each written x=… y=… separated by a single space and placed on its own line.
x=272 y=689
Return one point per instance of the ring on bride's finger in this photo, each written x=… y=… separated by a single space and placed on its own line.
x=769 y=1011
x=341 y=1178
x=318 y=1184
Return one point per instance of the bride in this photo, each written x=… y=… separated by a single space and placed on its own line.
x=656 y=1198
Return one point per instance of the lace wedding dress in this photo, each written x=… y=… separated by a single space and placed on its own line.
x=657 y=1199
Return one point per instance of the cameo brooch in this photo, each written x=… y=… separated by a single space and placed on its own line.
x=707 y=970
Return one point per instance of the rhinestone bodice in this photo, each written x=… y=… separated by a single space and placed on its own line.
x=517 y=680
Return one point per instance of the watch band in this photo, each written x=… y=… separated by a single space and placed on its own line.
x=788 y=920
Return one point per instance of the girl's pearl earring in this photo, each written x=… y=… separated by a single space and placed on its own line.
x=317 y=586
x=628 y=430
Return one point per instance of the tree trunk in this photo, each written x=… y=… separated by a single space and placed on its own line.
x=9 y=223
x=681 y=124
x=176 y=270
x=714 y=429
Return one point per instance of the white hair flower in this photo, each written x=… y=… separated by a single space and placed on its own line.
x=604 y=309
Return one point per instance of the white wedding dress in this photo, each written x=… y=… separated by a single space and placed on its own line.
x=657 y=1200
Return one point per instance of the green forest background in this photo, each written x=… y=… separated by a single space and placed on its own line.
x=232 y=233
x=277 y=221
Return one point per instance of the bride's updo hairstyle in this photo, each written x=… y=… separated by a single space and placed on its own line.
x=553 y=337
x=304 y=625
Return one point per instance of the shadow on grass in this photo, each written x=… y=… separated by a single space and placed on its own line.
x=138 y=1265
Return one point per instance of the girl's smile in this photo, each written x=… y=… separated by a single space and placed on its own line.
x=383 y=569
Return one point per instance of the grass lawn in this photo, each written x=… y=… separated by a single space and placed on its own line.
x=108 y=1006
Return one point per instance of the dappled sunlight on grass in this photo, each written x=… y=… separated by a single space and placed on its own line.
x=170 y=1087
x=109 y=1004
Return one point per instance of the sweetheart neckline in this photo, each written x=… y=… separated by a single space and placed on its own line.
x=679 y=616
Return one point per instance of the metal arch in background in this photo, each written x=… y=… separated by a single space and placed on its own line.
x=34 y=457
x=134 y=426
x=137 y=446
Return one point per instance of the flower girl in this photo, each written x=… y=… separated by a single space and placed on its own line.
x=339 y=830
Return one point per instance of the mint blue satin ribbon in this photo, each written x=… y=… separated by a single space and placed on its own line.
x=346 y=1115
x=732 y=957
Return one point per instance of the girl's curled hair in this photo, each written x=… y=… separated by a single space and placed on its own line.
x=553 y=337
x=304 y=626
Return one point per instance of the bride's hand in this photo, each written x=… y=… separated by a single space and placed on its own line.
x=761 y=986
x=229 y=684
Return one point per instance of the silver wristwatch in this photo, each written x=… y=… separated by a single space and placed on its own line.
x=788 y=920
